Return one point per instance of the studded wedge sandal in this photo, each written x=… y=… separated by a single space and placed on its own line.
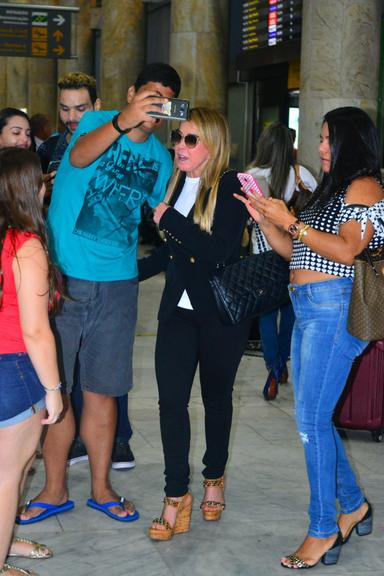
x=212 y=509
x=182 y=523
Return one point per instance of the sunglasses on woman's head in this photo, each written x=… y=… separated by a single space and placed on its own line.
x=190 y=140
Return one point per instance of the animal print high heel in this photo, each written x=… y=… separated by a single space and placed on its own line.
x=182 y=522
x=212 y=509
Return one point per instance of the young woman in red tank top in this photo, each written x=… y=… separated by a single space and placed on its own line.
x=29 y=379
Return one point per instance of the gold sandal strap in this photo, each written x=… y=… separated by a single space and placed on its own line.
x=38 y=551
x=23 y=540
x=163 y=522
x=168 y=501
x=216 y=482
x=297 y=562
x=7 y=567
x=212 y=504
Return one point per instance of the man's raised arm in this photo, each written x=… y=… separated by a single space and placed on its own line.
x=91 y=145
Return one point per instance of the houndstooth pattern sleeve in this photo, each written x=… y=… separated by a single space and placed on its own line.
x=374 y=213
x=259 y=241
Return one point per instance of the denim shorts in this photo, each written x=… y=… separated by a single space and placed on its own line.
x=40 y=405
x=95 y=331
x=21 y=392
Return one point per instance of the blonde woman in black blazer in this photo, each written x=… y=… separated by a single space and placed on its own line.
x=202 y=225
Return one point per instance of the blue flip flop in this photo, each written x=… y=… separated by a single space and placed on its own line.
x=104 y=508
x=49 y=510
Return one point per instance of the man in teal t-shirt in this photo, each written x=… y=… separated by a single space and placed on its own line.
x=95 y=211
x=111 y=167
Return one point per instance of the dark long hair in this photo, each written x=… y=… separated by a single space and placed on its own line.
x=7 y=113
x=275 y=151
x=21 y=179
x=355 y=151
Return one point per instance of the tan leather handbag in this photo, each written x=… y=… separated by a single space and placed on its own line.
x=366 y=308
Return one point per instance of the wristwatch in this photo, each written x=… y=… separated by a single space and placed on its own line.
x=294 y=228
x=117 y=127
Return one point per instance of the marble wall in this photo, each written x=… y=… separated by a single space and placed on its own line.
x=340 y=57
x=122 y=48
x=199 y=50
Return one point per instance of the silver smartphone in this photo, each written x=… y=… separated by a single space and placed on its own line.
x=174 y=109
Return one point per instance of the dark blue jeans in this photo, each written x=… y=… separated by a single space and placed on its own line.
x=322 y=355
x=276 y=331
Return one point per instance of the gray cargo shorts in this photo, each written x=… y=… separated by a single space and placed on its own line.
x=95 y=328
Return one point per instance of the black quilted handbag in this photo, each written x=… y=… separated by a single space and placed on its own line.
x=251 y=286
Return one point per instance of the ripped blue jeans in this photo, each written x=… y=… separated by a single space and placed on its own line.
x=322 y=354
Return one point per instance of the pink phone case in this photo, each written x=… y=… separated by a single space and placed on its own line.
x=249 y=184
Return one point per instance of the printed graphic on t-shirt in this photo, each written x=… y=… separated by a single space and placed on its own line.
x=111 y=210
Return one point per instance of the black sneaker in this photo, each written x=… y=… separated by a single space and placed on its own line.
x=253 y=348
x=122 y=456
x=77 y=453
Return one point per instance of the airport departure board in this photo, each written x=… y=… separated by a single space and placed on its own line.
x=268 y=23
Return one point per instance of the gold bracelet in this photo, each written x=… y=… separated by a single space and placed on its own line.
x=302 y=232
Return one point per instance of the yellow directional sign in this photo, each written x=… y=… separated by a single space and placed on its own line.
x=59 y=50
x=37 y=31
x=39 y=49
x=39 y=34
x=58 y=36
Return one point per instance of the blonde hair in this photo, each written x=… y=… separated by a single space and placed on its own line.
x=213 y=132
x=78 y=80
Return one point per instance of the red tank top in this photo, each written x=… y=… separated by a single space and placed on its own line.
x=11 y=337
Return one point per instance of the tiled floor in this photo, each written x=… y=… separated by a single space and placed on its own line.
x=266 y=491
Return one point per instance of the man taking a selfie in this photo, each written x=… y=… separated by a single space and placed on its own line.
x=112 y=165
x=78 y=95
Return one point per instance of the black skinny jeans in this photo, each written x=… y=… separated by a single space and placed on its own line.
x=183 y=342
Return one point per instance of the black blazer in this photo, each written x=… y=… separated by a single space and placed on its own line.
x=189 y=254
